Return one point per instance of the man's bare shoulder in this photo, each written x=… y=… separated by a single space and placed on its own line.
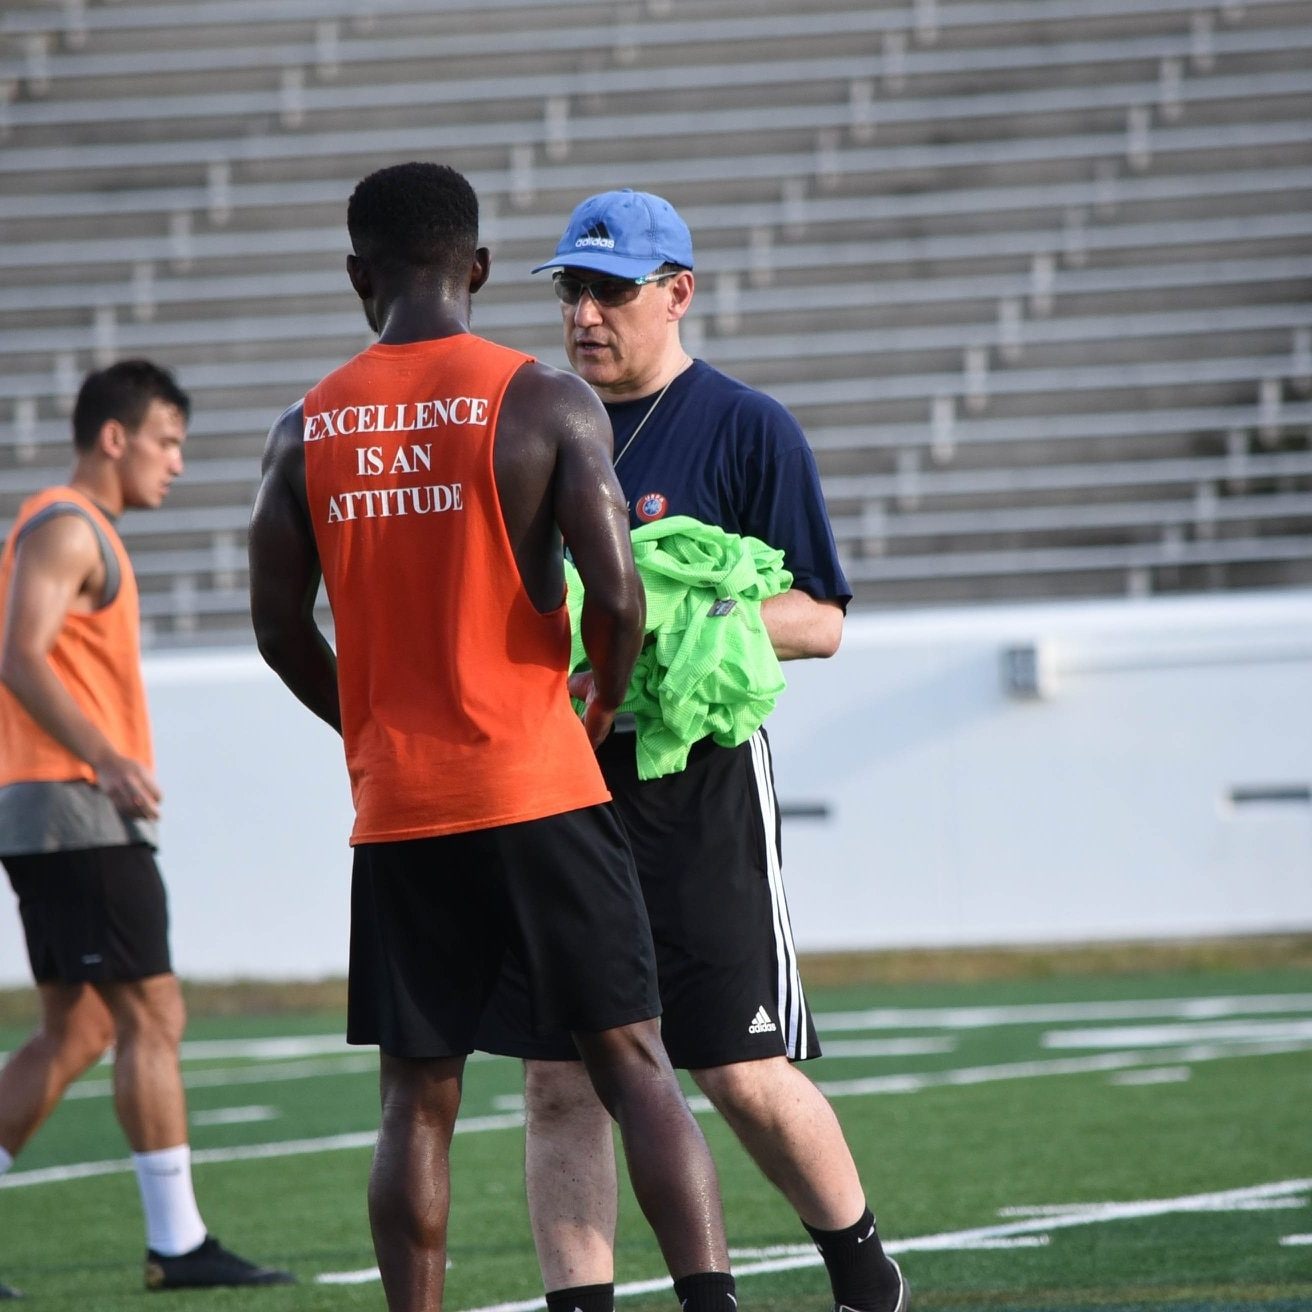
x=62 y=542
x=287 y=435
x=538 y=392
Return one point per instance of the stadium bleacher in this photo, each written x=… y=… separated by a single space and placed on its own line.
x=1033 y=274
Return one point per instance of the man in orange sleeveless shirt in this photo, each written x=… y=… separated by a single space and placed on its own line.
x=430 y=482
x=78 y=802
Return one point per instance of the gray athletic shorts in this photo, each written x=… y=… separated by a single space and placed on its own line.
x=434 y=921
x=707 y=847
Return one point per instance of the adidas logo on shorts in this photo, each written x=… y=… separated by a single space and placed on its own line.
x=761 y=1023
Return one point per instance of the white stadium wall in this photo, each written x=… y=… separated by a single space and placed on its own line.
x=1146 y=775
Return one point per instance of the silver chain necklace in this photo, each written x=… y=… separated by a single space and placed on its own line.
x=642 y=423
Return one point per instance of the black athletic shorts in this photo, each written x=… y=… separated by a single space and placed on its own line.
x=706 y=845
x=94 y=916
x=433 y=920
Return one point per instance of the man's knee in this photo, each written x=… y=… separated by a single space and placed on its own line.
x=624 y=1060
x=745 y=1086
x=74 y=1025
x=420 y=1091
x=149 y=1011
x=559 y=1092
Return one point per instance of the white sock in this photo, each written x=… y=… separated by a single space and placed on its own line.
x=5 y=1161
x=173 y=1223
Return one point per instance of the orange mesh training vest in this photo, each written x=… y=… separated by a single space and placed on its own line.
x=455 y=711
x=97 y=657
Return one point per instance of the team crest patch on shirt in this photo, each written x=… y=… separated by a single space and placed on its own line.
x=651 y=505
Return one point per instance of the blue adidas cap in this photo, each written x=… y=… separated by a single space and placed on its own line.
x=625 y=233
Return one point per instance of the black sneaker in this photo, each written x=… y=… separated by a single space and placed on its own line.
x=8 y=1291
x=903 y=1293
x=207 y=1266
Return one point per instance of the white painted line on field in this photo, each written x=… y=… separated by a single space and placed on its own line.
x=276 y=1048
x=973 y=1018
x=881 y=1018
x=996 y=1245
x=1223 y=1202
x=887 y=1047
x=1164 y=1036
x=955 y=1241
x=1153 y=1075
x=221 y=1077
x=1043 y=1209
x=287 y=1046
x=246 y=1153
x=1295 y=1241
x=1025 y=1070
x=364 y=1277
x=881 y=1084
x=235 y=1116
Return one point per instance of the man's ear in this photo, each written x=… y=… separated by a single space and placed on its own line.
x=358 y=272
x=112 y=440
x=681 y=287
x=480 y=269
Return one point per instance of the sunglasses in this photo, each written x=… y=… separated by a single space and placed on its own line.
x=606 y=292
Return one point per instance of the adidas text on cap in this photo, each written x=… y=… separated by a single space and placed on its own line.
x=624 y=233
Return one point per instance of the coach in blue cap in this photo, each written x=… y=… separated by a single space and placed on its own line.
x=690 y=440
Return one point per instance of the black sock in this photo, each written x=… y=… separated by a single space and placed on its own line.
x=706 y=1291
x=582 y=1298
x=861 y=1274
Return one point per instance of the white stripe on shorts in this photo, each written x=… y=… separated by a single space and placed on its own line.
x=792 y=1015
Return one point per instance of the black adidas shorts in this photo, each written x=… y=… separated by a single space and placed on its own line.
x=92 y=916
x=434 y=920
x=706 y=845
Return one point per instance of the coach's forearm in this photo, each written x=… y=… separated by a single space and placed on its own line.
x=800 y=626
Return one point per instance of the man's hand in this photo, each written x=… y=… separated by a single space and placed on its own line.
x=597 y=720
x=130 y=786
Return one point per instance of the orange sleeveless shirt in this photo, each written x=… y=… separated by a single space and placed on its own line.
x=455 y=710
x=96 y=656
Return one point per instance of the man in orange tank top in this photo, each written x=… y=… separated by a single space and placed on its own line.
x=78 y=803
x=431 y=483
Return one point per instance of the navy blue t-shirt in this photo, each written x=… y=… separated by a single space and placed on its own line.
x=729 y=455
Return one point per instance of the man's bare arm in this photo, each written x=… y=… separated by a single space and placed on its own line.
x=51 y=567
x=801 y=626
x=285 y=575
x=590 y=510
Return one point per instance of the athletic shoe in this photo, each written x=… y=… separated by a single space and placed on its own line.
x=208 y=1266
x=8 y=1291
x=903 y=1294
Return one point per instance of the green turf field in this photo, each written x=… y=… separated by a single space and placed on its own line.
x=1111 y=1143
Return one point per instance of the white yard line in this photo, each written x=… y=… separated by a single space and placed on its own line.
x=363 y=1277
x=956 y=1240
x=883 y=1084
x=1153 y=1075
x=884 y=1018
x=1163 y=1036
x=888 y=1047
x=973 y=1018
x=249 y=1152
x=222 y=1077
x=1025 y=1070
x=235 y=1116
